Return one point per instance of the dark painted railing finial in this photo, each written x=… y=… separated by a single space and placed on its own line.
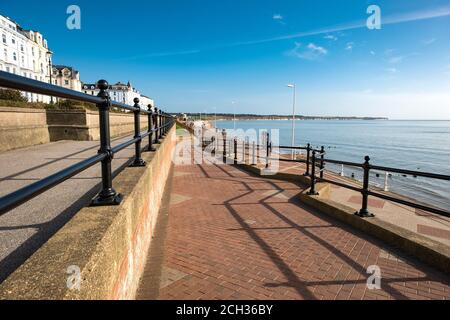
x=138 y=162
x=107 y=196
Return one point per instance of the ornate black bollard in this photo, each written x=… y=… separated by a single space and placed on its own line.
x=235 y=151
x=161 y=124
x=157 y=124
x=364 y=212
x=308 y=158
x=164 y=125
x=267 y=150
x=151 y=148
x=312 y=191
x=322 y=162
x=224 y=135
x=138 y=162
x=107 y=196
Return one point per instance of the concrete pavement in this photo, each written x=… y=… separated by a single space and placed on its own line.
x=24 y=229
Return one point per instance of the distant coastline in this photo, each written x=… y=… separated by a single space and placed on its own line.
x=244 y=117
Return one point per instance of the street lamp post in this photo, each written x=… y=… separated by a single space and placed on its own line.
x=50 y=67
x=293 y=86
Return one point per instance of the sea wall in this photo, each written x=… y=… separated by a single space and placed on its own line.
x=103 y=249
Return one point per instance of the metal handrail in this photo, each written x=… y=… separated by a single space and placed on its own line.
x=316 y=158
x=159 y=123
x=366 y=191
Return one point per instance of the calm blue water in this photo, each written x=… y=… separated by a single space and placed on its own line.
x=413 y=145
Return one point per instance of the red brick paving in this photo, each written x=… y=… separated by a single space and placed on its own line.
x=233 y=238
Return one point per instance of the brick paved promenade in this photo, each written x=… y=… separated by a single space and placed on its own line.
x=231 y=235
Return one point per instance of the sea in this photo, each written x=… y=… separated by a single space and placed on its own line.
x=412 y=145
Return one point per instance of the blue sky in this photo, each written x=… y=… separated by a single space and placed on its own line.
x=203 y=55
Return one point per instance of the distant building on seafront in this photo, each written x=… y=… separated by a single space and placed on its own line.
x=120 y=92
x=67 y=77
x=25 y=53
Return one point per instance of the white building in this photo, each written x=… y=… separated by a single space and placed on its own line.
x=120 y=92
x=67 y=77
x=25 y=53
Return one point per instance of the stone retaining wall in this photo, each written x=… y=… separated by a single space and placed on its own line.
x=21 y=127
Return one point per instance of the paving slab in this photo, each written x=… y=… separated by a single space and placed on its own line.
x=232 y=235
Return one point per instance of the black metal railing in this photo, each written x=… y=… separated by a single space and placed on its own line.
x=315 y=161
x=159 y=123
x=318 y=160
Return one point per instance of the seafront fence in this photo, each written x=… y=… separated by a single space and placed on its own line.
x=316 y=162
x=159 y=124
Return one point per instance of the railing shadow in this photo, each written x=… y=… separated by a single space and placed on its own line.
x=293 y=281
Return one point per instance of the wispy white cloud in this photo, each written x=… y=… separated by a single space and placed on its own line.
x=395 y=59
x=387 y=20
x=310 y=52
x=392 y=70
x=160 y=54
x=429 y=41
x=349 y=46
x=279 y=18
x=330 y=37
x=373 y=53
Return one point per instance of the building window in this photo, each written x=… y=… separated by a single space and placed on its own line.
x=13 y=41
x=21 y=47
x=4 y=38
x=5 y=51
x=66 y=82
x=15 y=56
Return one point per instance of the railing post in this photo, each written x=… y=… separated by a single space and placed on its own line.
x=151 y=148
x=107 y=196
x=386 y=183
x=312 y=191
x=268 y=150
x=160 y=124
x=254 y=154
x=244 y=149
x=165 y=125
x=235 y=151
x=138 y=162
x=308 y=158
x=322 y=162
x=224 y=135
x=364 y=212
x=156 y=123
